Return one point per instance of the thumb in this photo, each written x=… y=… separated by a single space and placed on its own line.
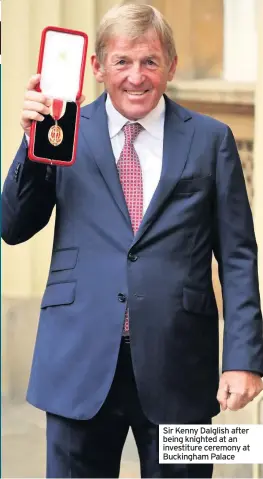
x=222 y=396
x=82 y=99
x=33 y=82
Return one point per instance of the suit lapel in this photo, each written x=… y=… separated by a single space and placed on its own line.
x=178 y=135
x=96 y=134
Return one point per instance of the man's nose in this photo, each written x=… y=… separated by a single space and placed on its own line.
x=136 y=76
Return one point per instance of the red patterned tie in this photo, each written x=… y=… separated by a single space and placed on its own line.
x=130 y=174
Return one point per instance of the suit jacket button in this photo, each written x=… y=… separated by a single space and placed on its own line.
x=132 y=257
x=121 y=298
x=16 y=173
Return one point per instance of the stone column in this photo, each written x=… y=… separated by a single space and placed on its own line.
x=240 y=40
x=17 y=261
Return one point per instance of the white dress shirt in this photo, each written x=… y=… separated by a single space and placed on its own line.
x=148 y=144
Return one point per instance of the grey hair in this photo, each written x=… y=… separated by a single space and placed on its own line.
x=134 y=20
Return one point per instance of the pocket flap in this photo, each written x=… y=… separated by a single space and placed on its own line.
x=188 y=186
x=59 y=293
x=64 y=259
x=198 y=302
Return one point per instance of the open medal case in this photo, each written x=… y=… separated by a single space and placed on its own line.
x=62 y=60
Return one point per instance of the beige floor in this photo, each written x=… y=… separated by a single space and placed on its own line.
x=23 y=447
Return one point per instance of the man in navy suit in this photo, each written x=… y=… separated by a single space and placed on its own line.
x=128 y=332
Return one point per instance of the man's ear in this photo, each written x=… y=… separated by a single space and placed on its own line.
x=97 y=68
x=172 y=69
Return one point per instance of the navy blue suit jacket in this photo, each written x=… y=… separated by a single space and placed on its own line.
x=199 y=207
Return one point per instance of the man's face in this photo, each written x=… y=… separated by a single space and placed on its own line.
x=135 y=73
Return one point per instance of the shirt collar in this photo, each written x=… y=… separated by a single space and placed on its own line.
x=153 y=122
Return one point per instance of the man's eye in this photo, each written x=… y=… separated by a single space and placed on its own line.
x=121 y=62
x=150 y=62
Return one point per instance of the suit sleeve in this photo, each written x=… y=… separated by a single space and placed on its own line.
x=235 y=249
x=28 y=197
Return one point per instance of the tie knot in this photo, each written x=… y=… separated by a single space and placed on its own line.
x=131 y=131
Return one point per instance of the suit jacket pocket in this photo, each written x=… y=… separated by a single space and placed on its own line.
x=63 y=259
x=58 y=294
x=198 y=302
x=189 y=186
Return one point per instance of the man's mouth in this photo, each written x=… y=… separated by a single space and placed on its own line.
x=136 y=92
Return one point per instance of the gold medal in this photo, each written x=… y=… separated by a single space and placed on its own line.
x=55 y=133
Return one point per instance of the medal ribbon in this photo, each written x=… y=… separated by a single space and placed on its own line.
x=56 y=109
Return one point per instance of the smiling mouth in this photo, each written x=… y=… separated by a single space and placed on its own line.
x=136 y=93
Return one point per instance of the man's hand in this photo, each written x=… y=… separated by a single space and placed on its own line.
x=237 y=389
x=36 y=105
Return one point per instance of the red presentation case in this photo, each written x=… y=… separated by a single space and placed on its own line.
x=62 y=61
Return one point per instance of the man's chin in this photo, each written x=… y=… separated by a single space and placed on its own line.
x=135 y=112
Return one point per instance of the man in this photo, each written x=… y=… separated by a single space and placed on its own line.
x=128 y=332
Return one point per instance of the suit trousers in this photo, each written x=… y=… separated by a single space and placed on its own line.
x=93 y=448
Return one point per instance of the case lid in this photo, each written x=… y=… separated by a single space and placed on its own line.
x=62 y=63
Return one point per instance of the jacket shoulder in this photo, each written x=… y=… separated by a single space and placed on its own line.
x=89 y=109
x=201 y=121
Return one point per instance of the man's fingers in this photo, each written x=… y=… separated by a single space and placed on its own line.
x=31 y=115
x=38 y=97
x=222 y=396
x=237 y=401
x=33 y=82
x=36 y=106
x=32 y=95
